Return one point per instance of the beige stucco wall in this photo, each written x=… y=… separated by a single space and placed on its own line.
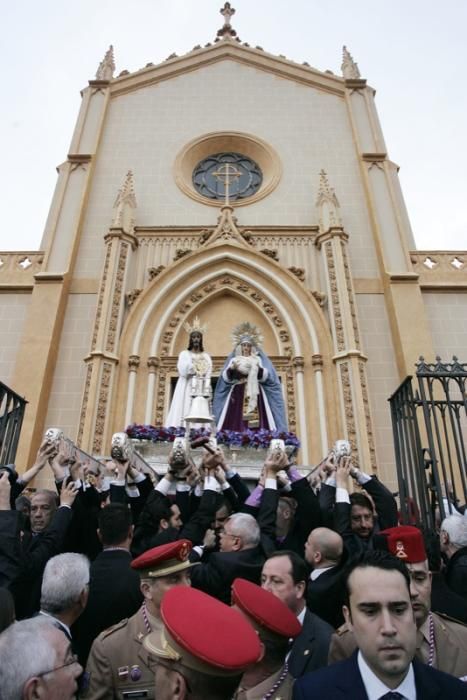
x=382 y=378
x=146 y=129
x=447 y=316
x=68 y=382
x=13 y=310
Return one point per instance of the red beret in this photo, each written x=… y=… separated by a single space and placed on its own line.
x=164 y=560
x=204 y=634
x=405 y=542
x=265 y=609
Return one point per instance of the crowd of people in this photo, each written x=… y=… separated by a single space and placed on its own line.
x=121 y=585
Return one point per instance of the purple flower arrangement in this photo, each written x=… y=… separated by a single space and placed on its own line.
x=231 y=438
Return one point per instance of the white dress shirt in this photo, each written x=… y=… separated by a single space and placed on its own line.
x=375 y=688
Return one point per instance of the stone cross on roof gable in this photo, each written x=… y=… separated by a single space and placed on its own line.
x=226 y=32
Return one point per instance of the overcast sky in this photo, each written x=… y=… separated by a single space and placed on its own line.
x=412 y=52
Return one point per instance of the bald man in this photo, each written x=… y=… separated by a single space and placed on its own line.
x=324 y=552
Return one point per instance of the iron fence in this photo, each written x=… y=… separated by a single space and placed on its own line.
x=429 y=422
x=12 y=407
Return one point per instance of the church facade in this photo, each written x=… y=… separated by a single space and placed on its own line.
x=311 y=242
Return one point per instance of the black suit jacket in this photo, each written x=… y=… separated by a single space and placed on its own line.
x=36 y=550
x=114 y=593
x=217 y=575
x=325 y=596
x=311 y=648
x=342 y=681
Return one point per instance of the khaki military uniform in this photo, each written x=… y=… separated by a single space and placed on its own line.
x=450 y=645
x=283 y=692
x=119 y=667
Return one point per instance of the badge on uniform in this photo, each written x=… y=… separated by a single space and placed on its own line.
x=135 y=673
x=122 y=672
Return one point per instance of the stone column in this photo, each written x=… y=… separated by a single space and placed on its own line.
x=317 y=366
x=133 y=364
x=103 y=359
x=348 y=358
x=299 y=367
x=153 y=365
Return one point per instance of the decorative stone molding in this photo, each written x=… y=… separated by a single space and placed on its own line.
x=132 y=296
x=133 y=363
x=349 y=409
x=270 y=254
x=317 y=362
x=369 y=427
x=320 y=297
x=153 y=272
x=298 y=363
x=440 y=268
x=105 y=71
x=298 y=272
x=335 y=301
x=100 y=299
x=180 y=253
x=153 y=363
x=20 y=269
x=350 y=69
x=79 y=160
x=101 y=413
x=117 y=297
x=84 y=403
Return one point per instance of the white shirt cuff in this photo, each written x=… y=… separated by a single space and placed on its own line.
x=363 y=478
x=183 y=486
x=164 y=486
x=270 y=484
x=211 y=483
x=118 y=482
x=342 y=495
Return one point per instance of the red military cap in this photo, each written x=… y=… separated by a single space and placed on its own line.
x=405 y=542
x=164 y=560
x=204 y=634
x=264 y=609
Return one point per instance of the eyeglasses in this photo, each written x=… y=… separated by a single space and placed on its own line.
x=228 y=534
x=72 y=660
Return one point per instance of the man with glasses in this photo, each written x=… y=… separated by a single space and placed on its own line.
x=37 y=662
x=240 y=556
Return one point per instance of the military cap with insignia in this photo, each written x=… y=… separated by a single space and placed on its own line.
x=164 y=560
x=404 y=542
x=203 y=634
x=266 y=612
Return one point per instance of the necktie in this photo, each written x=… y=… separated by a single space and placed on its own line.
x=392 y=696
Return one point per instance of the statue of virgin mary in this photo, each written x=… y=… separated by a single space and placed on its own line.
x=248 y=393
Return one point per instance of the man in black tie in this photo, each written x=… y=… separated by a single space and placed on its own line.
x=379 y=611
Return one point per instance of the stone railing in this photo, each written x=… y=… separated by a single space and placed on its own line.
x=440 y=267
x=17 y=269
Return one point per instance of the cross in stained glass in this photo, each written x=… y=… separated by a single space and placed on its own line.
x=227 y=173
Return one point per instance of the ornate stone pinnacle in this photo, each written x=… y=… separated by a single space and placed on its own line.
x=327 y=204
x=106 y=66
x=349 y=67
x=226 y=32
x=124 y=205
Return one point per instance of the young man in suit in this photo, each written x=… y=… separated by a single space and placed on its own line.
x=378 y=609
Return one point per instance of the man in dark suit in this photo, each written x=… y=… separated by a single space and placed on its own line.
x=379 y=611
x=285 y=575
x=240 y=556
x=114 y=591
x=325 y=554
